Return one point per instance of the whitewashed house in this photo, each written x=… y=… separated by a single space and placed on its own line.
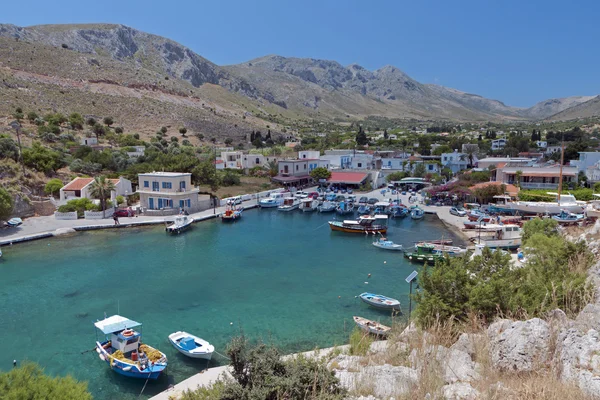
x=80 y=188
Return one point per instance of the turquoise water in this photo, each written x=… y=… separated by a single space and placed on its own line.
x=273 y=275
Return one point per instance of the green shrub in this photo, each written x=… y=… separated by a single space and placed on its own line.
x=29 y=382
x=6 y=203
x=53 y=186
x=230 y=179
x=360 y=342
x=120 y=199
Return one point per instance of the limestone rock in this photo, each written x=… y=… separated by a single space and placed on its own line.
x=578 y=358
x=467 y=343
x=454 y=365
x=519 y=345
x=588 y=318
x=383 y=381
x=343 y=361
x=460 y=391
x=378 y=346
x=63 y=231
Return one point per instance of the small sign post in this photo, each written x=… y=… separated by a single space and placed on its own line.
x=410 y=279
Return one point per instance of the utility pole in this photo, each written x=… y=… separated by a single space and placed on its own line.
x=410 y=279
x=560 y=176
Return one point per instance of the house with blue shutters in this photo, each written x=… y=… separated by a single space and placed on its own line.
x=168 y=192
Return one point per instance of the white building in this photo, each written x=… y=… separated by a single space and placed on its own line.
x=456 y=161
x=232 y=159
x=498 y=144
x=309 y=155
x=138 y=151
x=586 y=160
x=551 y=150
x=88 y=141
x=167 y=192
x=541 y=144
x=80 y=188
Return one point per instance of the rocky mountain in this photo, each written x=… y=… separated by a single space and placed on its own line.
x=590 y=108
x=290 y=87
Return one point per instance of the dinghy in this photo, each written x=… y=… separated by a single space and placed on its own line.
x=191 y=346
x=380 y=301
x=371 y=326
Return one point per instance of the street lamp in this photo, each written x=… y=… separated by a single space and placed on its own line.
x=410 y=279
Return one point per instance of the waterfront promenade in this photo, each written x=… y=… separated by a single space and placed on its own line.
x=48 y=226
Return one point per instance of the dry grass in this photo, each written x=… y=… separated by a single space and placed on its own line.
x=248 y=184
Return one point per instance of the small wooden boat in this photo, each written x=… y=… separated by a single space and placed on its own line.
x=191 y=346
x=181 y=223
x=344 y=208
x=371 y=326
x=568 y=218
x=385 y=244
x=14 y=222
x=380 y=301
x=123 y=351
x=232 y=214
x=417 y=213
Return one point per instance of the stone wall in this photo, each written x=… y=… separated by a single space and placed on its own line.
x=22 y=207
x=99 y=214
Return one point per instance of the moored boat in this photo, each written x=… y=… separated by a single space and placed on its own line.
x=123 y=351
x=308 y=204
x=417 y=213
x=424 y=252
x=14 y=222
x=289 y=204
x=180 y=224
x=385 y=244
x=344 y=208
x=380 y=301
x=371 y=326
x=563 y=202
x=191 y=346
x=232 y=214
x=500 y=236
x=452 y=251
x=327 y=206
x=274 y=200
x=365 y=224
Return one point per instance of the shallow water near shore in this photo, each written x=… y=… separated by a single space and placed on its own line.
x=273 y=275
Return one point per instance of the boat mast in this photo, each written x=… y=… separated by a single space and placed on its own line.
x=560 y=176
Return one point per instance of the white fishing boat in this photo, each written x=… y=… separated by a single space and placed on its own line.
x=380 y=301
x=180 y=224
x=592 y=209
x=308 y=204
x=191 y=346
x=499 y=236
x=289 y=204
x=274 y=200
x=565 y=202
x=452 y=251
x=371 y=326
x=385 y=244
x=14 y=222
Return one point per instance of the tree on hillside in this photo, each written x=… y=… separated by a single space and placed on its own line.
x=108 y=121
x=8 y=148
x=163 y=129
x=98 y=130
x=18 y=114
x=361 y=137
x=32 y=116
x=76 y=121
x=320 y=173
x=205 y=173
x=90 y=121
x=183 y=130
x=43 y=159
x=29 y=382
x=53 y=186
x=101 y=189
x=6 y=206
x=228 y=141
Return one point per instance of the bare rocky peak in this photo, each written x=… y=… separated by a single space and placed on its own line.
x=549 y=107
x=586 y=109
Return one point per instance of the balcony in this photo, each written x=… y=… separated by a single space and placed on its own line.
x=538 y=185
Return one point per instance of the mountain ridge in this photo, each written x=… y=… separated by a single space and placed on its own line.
x=301 y=86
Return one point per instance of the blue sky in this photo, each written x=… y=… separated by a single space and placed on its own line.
x=519 y=52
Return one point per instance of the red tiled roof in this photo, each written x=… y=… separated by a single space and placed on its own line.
x=347 y=177
x=288 y=179
x=510 y=189
x=78 y=183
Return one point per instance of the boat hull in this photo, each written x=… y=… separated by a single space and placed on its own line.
x=394 y=247
x=502 y=243
x=393 y=305
x=201 y=356
x=177 y=230
x=372 y=327
x=153 y=371
x=416 y=257
x=359 y=229
x=269 y=205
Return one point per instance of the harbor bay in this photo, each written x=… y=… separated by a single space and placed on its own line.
x=285 y=278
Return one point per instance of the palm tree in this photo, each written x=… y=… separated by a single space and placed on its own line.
x=101 y=189
x=273 y=167
x=470 y=150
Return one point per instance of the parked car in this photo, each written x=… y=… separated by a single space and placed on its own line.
x=458 y=211
x=373 y=200
x=234 y=201
x=314 y=195
x=124 y=212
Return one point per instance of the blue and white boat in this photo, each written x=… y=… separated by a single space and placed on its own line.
x=364 y=209
x=327 y=206
x=273 y=201
x=385 y=244
x=14 y=222
x=398 y=212
x=123 y=351
x=566 y=218
x=344 y=208
x=380 y=301
x=417 y=213
x=191 y=346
